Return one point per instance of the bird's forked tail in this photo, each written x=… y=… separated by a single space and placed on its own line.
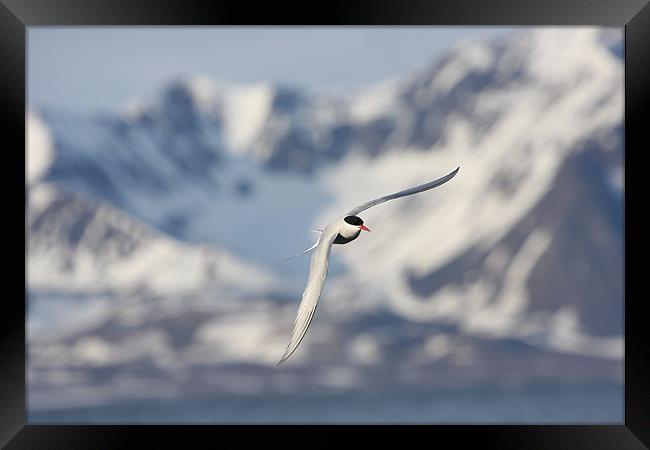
x=309 y=249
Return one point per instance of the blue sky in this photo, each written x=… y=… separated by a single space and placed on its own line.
x=103 y=67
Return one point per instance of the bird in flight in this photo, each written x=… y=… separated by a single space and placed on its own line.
x=342 y=231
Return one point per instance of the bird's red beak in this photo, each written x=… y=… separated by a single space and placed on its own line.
x=363 y=227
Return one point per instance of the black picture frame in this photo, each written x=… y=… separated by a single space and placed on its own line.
x=633 y=15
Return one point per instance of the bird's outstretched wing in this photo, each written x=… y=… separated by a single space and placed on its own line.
x=317 y=273
x=404 y=193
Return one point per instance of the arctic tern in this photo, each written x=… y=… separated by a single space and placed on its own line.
x=341 y=231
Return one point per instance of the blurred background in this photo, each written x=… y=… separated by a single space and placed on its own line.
x=171 y=170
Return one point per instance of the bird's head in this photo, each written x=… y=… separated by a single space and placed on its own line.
x=355 y=223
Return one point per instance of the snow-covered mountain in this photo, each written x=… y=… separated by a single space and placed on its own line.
x=163 y=228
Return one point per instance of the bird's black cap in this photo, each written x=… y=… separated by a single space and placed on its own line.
x=353 y=220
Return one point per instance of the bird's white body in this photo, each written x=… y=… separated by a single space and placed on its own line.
x=341 y=231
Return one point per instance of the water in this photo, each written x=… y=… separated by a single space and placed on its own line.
x=554 y=404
